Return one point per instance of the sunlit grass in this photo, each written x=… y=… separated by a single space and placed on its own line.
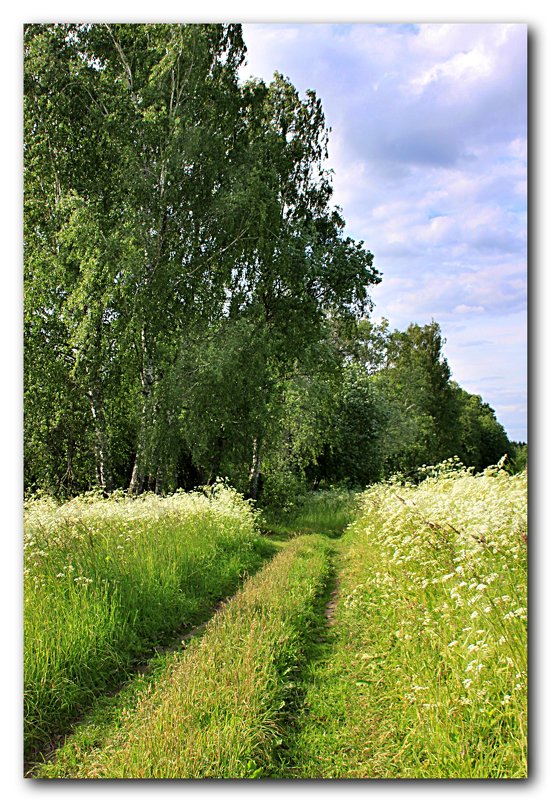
x=105 y=580
x=217 y=709
x=422 y=672
x=427 y=673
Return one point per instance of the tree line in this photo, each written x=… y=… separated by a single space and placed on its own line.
x=193 y=307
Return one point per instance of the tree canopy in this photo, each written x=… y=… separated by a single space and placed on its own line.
x=193 y=307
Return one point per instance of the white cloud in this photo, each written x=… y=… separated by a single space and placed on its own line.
x=465 y=309
x=462 y=69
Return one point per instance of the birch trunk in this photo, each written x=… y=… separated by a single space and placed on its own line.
x=104 y=476
x=254 y=474
x=144 y=435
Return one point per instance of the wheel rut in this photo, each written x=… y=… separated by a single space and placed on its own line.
x=331 y=606
x=107 y=702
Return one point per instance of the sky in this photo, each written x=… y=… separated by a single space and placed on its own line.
x=428 y=146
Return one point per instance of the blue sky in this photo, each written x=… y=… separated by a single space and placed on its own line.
x=429 y=152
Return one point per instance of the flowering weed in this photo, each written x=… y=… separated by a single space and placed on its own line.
x=428 y=674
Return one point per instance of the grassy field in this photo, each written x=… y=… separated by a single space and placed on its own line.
x=397 y=650
x=425 y=671
x=107 y=580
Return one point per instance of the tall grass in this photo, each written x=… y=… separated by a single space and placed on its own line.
x=107 y=579
x=427 y=675
x=217 y=710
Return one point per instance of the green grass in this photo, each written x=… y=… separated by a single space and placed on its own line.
x=326 y=512
x=424 y=673
x=104 y=718
x=107 y=580
x=419 y=673
x=219 y=708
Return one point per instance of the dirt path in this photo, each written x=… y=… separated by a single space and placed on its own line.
x=138 y=672
x=332 y=604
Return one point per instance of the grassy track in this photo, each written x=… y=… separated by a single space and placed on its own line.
x=218 y=709
x=326 y=512
x=106 y=580
x=425 y=671
x=415 y=668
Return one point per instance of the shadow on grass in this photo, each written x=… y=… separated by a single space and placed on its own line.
x=317 y=648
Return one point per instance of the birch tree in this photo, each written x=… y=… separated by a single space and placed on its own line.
x=129 y=132
x=300 y=269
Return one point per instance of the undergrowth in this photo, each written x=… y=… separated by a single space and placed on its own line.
x=325 y=512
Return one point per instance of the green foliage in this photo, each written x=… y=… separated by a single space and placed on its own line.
x=356 y=448
x=416 y=382
x=326 y=512
x=193 y=308
x=517 y=461
x=482 y=440
x=413 y=413
x=179 y=246
x=129 y=217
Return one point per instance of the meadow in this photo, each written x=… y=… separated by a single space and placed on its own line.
x=107 y=581
x=217 y=709
x=396 y=650
x=426 y=671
